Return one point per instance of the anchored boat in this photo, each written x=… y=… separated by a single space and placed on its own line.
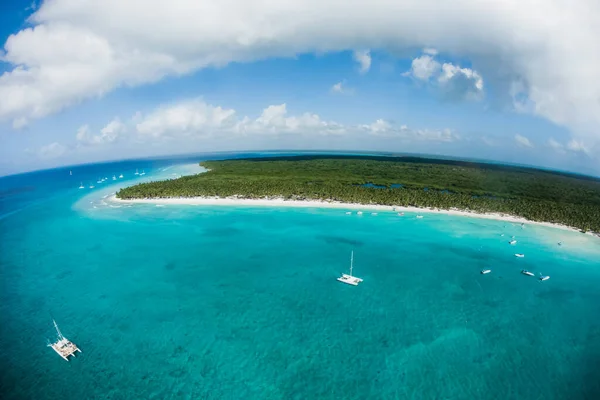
x=349 y=279
x=63 y=346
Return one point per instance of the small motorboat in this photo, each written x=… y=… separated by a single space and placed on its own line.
x=121 y=176
x=81 y=186
x=401 y=214
x=485 y=271
x=114 y=178
x=359 y=213
x=348 y=213
x=419 y=216
x=513 y=242
x=525 y=272
x=502 y=235
x=373 y=213
x=91 y=186
x=519 y=255
x=544 y=277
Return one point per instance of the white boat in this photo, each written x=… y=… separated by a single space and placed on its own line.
x=143 y=173
x=81 y=186
x=525 y=272
x=136 y=172
x=91 y=186
x=502 y=234
x=63 y=346
x=401 y=214
x=121 y=176
x=419 y=216
x=486 y=271
x=519 y=255
x=544 y=277
x=100 y=181
x=513 y=242
x=114 y=178
x=373 y=213
x=349 y=278
x=348 y=213
x=70 y=172
x=359 y=213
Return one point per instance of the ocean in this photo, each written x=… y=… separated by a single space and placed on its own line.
x=197 y=302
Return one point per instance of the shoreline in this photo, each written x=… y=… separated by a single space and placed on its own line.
x=280 y=202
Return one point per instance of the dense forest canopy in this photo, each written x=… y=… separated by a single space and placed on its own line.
x=404 y=181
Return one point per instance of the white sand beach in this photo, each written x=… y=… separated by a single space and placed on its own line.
x=280 y=202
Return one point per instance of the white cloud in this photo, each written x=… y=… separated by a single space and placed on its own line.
x=108 y=134
x=523 y=141
x=384 y=128
x=461 y=83
x=363 y=57
x=186 y=117
x=578 y=146
x=454 y=82
x=430 y=51
x=80 y=50
x=423 y=68
x=19 y=123
x=340 y=88
x=555 y=145
x=195 y=119
x=53 y=150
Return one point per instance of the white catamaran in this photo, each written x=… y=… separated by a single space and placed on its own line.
x=63 y=346
x=349 y=279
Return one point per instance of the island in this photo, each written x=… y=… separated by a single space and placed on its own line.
x=533 y=194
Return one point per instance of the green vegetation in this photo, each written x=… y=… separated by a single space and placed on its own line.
x=534 y=194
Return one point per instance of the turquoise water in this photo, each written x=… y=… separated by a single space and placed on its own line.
x=194 y=302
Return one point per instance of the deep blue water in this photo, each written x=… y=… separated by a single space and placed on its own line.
x=199 y=302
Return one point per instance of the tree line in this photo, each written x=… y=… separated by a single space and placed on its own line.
x=533 y=194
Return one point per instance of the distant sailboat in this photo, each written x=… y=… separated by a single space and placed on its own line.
x=70 y=172
x=136 y=172
x=63 y=346
x=419 y=216
x=91 y=186
x=121 y=176
x=143 y=173
x=114 y=178
x=349 y=279
x=81 y=186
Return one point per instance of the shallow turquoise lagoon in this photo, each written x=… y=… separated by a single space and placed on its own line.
x=190 y=302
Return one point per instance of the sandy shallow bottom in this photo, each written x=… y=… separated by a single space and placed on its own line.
x=350 y=207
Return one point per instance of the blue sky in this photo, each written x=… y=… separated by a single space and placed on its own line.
x=73 y=90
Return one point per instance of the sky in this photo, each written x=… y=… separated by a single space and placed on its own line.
x=93 y=80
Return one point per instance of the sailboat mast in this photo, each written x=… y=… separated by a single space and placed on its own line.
x=60 y=335
x=351 y=261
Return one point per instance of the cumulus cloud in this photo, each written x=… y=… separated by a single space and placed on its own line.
x=52 y=150
x=523 y=141
x=110 y=133
x=385 y=128
x=454 y=82
x=341 y=88
x=423 y=68
x=460 y=83
x=79 y=50
x=194 y=116
x=363 y=57
x=195 y=119
x=555 y=145
x=576 y=145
